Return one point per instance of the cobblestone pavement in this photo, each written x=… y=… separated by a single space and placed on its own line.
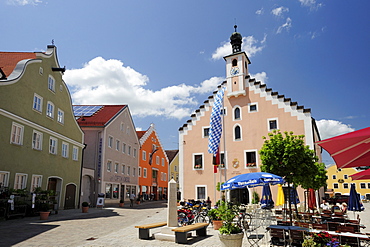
x=110 y=226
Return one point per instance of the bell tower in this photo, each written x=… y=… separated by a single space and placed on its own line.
x=236 y=66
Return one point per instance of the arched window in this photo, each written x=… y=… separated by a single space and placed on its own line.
x=237 y=133
x=235 y=62
x=237 y=113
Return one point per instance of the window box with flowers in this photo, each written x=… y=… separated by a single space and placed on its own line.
x=250 y=165
x=198 y=167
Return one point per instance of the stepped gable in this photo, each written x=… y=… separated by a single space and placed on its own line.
x=144 y=135
x=101 y=117
x=263 y=91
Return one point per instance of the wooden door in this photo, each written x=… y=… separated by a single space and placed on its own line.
x=69 y=202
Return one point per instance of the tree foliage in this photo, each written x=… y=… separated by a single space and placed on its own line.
x=286 y=155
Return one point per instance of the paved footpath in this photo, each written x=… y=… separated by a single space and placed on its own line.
x=110 y=226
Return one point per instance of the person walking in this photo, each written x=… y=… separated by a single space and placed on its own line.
x=132 y=198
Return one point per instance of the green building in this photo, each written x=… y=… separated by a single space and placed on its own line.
x=41 y=143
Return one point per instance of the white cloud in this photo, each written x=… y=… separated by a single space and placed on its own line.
x=262 y=77
x=248 y=45
x=259 y=12
x=279 y=11
x=287 y=25
x=311 y=4
x=103 y=81
x=331 y=128
x=23 y=2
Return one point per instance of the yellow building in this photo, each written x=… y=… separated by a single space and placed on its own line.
x=339 y=181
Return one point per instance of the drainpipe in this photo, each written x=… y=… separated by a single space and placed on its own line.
x=82 y=165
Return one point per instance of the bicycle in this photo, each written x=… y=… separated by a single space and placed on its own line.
x=243 y=219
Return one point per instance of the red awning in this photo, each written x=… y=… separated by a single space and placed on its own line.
x=361 y=175
x=349 y=150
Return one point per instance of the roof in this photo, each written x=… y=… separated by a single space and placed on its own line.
x=8 y=60
x=101 y=117
x=171 y=154
x=140 y=133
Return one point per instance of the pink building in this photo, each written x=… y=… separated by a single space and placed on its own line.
x=250 y=111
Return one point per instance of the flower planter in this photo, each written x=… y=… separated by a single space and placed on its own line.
x=44 y=215
x=85 y=209
x=231 y=240
x=217 y=224
x=121 y=204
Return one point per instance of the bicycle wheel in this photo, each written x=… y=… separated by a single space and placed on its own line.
x=182 y=219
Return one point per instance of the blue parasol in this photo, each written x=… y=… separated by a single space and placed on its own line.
x=294 y=199
x=266 y=200
x=252 y=180
x=354 y=203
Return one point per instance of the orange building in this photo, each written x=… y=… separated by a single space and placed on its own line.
x=153 y=166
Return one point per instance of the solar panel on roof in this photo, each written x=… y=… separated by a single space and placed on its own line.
x=85 y=110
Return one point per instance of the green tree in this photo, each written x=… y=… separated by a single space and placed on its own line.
x=287 y=155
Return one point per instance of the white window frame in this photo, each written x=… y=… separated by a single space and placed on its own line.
x=162 y=161
x=4 y=179
x=344 y=186
x=122 y=126
x=268 y=123
x=60 y=116
x=205 y=192
x=37 y=140
x=134 y=153
x=362 y=185
x=345 y=176
x=36 y=181
x=203 y=129
x=75 y=153
x=144 y=155
x=118 y=144
x=123 y=167
x=334 y=177
x=37 y=103
x=133 y=171
x=51 y=83
x=240 y=113
x=128 y=170
x=241 y=133
x=129 y=150
x=53 y=145
x=109 y=166
x=252 y=104
x=139 y=172
x=50 y=110
x=245 y=158
x=65 y=149
x=335 y=185
x=16 y=136
x=110 y=141
x=116 y=165
x=157 y=159
x=123 y=147
x=20 y=184
x=193 y=161
x=145 y=173
x=224 y=111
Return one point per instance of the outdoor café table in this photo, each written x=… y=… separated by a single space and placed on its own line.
x=359 y=237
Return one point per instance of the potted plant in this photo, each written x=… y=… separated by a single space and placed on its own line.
x=230 y=234
x=121 y=203
x=85 y=207
x=44 y=211
x=215 y=220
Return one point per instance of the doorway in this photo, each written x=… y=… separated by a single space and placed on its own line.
x=70 y=198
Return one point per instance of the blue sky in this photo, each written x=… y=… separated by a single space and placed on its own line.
x=164 y=58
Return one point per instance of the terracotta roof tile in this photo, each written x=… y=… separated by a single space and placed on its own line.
x=102 y=116
x=8 y=60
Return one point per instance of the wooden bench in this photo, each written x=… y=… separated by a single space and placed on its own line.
x=144 y=229
x=181 y=233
